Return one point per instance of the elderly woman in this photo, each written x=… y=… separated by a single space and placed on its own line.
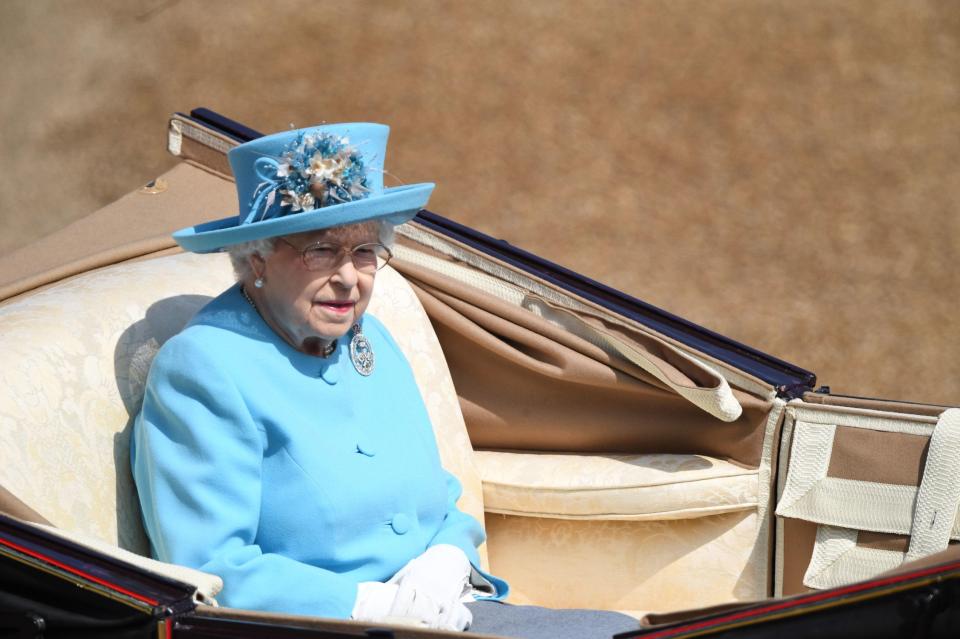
x=283 y=443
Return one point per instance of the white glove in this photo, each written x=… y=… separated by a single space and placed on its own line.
x=404 y=604
x=443 y=573
x=413 y=602
x=374 y=601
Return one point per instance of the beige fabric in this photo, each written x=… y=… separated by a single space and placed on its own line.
x=527 y=384
x=706 y=389
x=621 y=487
x=712 y=394
x=888 y=458
x=632 y=531
x=76 y=357
x=500 y=272
x=626 y=565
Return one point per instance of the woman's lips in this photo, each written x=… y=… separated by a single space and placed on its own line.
x=338 y=308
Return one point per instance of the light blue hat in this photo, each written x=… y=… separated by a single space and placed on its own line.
x=305 y=180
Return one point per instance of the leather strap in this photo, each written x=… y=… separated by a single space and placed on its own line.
x=939 y=494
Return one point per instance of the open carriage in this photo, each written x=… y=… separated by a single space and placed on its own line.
x=620 y=457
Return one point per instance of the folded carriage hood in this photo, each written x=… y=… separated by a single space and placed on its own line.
x=139 y=223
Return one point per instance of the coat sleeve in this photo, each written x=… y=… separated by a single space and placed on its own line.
x=463 y=531
x=197 y=457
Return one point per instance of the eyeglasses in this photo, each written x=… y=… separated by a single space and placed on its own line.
x=326 y=256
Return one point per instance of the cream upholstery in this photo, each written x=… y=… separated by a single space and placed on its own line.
x=76 y=357
x=627 y=565
x=628 y=487
x=75 y=362
x=626 y=532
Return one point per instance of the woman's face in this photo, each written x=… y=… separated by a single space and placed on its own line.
x=309 y=309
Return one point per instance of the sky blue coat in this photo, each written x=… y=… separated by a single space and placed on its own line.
x=292 y=477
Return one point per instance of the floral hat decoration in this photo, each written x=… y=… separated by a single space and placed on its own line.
x=305 y=180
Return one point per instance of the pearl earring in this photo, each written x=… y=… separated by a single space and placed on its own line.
x=258 y=282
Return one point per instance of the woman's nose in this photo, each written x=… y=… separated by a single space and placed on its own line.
x=346 y=274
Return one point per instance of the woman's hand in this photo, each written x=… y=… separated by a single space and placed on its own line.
x=374 y=601
x=416 y=602
x=405 y=604
x=442 y=573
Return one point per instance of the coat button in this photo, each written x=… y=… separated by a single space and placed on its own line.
x=400 y=523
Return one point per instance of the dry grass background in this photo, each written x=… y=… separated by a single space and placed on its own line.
x=785 y=173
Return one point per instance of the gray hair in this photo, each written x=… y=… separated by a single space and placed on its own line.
x=387 y=233
x=240 y=254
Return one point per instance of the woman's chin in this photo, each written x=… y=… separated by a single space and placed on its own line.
x=332 y=328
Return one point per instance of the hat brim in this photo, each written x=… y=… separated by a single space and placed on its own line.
x=396 y=205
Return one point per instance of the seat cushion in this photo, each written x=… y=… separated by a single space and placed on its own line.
x=623 y=487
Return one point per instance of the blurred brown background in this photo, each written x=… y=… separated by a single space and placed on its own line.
x=785 y=173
